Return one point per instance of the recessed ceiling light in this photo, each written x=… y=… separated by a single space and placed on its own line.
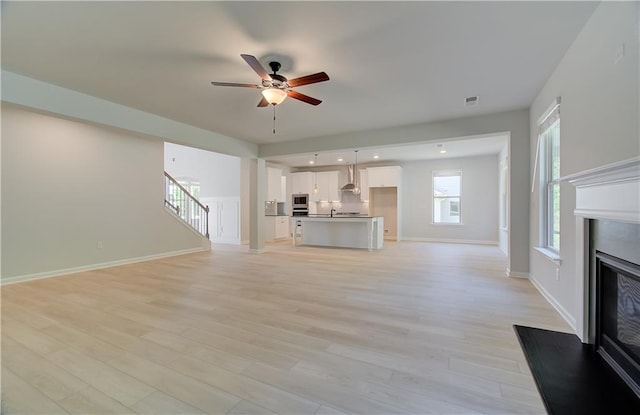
x=443 y=151
x=376 y=156
x=340 y=159
x=311 y=162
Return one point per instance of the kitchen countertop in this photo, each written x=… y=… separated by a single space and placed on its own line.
x=327 y=218
x=339 y=216
x=276 y=215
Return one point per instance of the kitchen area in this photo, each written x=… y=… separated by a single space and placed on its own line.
x=340 y=206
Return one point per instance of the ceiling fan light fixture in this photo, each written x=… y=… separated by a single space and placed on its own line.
x=274 y=96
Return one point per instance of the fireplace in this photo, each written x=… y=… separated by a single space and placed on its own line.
x=608 y=264
x=617 y=311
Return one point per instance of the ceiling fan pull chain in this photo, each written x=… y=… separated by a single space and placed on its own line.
x=274 y=119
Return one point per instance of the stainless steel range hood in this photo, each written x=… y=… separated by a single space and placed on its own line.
x=351 y=185
x=352 y=182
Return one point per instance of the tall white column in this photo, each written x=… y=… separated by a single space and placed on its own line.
x=257 y=194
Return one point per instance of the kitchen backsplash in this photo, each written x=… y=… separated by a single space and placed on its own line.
x=347 y=205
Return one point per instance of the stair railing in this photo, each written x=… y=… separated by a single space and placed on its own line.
x=185 y=205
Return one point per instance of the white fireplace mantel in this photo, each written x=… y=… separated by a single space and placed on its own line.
x=610 y=192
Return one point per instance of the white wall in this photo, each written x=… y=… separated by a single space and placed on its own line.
x=479 y=200
x=218 y=174
x=67 y=185
x=245 y=197
x=599 y=125
x=32 y=93
x=503 y=200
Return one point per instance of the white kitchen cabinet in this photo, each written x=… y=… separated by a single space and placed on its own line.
x=387 y=176
x=327 y=182
x=276 y=227
x=321 y=183
x=351 y=232
x=302 y=183
x=364 y=185
x=282 y=227
x=333 y=187
x=274 y=184
x=270 y=228
x=283 y=189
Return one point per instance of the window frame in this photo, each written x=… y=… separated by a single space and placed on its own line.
x=446 y=173
x=549 y=196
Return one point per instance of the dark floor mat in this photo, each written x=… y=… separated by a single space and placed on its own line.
x=571 y=377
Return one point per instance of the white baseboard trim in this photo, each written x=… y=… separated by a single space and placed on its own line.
x=449 y=241
x=256 y=251
x=524 y=275
x=555 y=304
x=92 y=267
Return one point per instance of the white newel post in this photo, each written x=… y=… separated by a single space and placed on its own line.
x=610 y=192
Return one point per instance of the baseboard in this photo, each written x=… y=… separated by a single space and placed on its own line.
x=555 y=304
x=102 y=265
x=449 y=241
x=524 y=275
x=257 y=251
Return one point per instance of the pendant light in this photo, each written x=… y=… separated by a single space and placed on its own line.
x=356 y=189
x=315 y=178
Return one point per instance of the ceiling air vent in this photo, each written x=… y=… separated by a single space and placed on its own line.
x=471 y=101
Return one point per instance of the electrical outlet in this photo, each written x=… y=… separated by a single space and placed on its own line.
x=99 y=245
x=557 y=274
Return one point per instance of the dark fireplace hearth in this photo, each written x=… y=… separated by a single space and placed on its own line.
x=618 y=316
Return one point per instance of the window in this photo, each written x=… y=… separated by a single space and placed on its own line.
x=454 y=208
x=549 y=153
x=446 y=196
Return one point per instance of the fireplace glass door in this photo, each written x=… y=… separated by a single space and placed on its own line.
x=618 y=311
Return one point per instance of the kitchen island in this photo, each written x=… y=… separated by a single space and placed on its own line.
x=365 y=232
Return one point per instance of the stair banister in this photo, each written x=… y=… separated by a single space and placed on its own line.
x=186 y=206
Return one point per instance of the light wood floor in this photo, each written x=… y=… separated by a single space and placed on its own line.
x=416 y=328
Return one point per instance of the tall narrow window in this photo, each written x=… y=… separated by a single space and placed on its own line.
x=446 y=196
x=549 y=152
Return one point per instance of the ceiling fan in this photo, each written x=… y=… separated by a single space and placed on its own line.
x=275 y=87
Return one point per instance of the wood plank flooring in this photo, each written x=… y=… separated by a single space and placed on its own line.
x=415 y=328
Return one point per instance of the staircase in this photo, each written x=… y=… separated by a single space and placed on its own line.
x=186 y=206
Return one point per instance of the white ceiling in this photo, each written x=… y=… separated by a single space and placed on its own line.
x=390 y=63
x=410 y=152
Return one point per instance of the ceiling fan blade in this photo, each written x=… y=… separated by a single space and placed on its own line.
x=309 y=79
x=263 y=103
x=256 y=66
x=303 y=97
x=234 y=84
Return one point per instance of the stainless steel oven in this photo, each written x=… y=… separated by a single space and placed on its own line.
x=300 y=201
x=299 y=205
